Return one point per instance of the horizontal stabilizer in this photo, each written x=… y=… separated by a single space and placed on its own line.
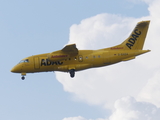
x=129 y=58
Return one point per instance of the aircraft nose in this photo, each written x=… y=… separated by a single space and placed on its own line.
x=15 y=69
x=12 y=70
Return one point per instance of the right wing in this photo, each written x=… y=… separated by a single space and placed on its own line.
x=70 y=49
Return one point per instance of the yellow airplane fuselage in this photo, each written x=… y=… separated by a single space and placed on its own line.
x=70 y=59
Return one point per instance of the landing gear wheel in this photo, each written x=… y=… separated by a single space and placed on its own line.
x=22 y=77
x=72 y=73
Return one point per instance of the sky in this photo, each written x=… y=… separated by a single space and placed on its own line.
x=126 y=91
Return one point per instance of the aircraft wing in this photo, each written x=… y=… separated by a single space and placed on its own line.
x=70 y=49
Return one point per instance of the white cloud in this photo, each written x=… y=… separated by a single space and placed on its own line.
x=128 y=108
x=75 y=118
x=98 y=31
x=149 y=2
x=103 y=86
x=138 y=78
x=151 y=91
x=81 y=118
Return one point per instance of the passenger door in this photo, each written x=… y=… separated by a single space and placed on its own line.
x=106 y=58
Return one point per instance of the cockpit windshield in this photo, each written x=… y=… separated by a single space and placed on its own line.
x=24 y=61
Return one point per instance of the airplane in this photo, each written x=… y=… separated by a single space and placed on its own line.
x=70 y=59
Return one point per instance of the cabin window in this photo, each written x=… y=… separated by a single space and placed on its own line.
x=26 y=60
x=86 y=57
x=80 y=58
x=99 y=56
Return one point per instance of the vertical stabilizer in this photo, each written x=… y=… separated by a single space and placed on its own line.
x=136 y=40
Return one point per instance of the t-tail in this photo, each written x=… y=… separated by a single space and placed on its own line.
x=136 y=40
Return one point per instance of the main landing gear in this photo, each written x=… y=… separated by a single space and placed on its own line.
x=72 y=73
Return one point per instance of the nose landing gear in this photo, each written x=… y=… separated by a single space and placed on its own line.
x=23 y=74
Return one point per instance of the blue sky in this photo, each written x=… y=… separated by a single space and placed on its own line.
x=33 y=27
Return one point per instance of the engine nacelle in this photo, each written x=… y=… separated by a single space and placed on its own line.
x=57 y=56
